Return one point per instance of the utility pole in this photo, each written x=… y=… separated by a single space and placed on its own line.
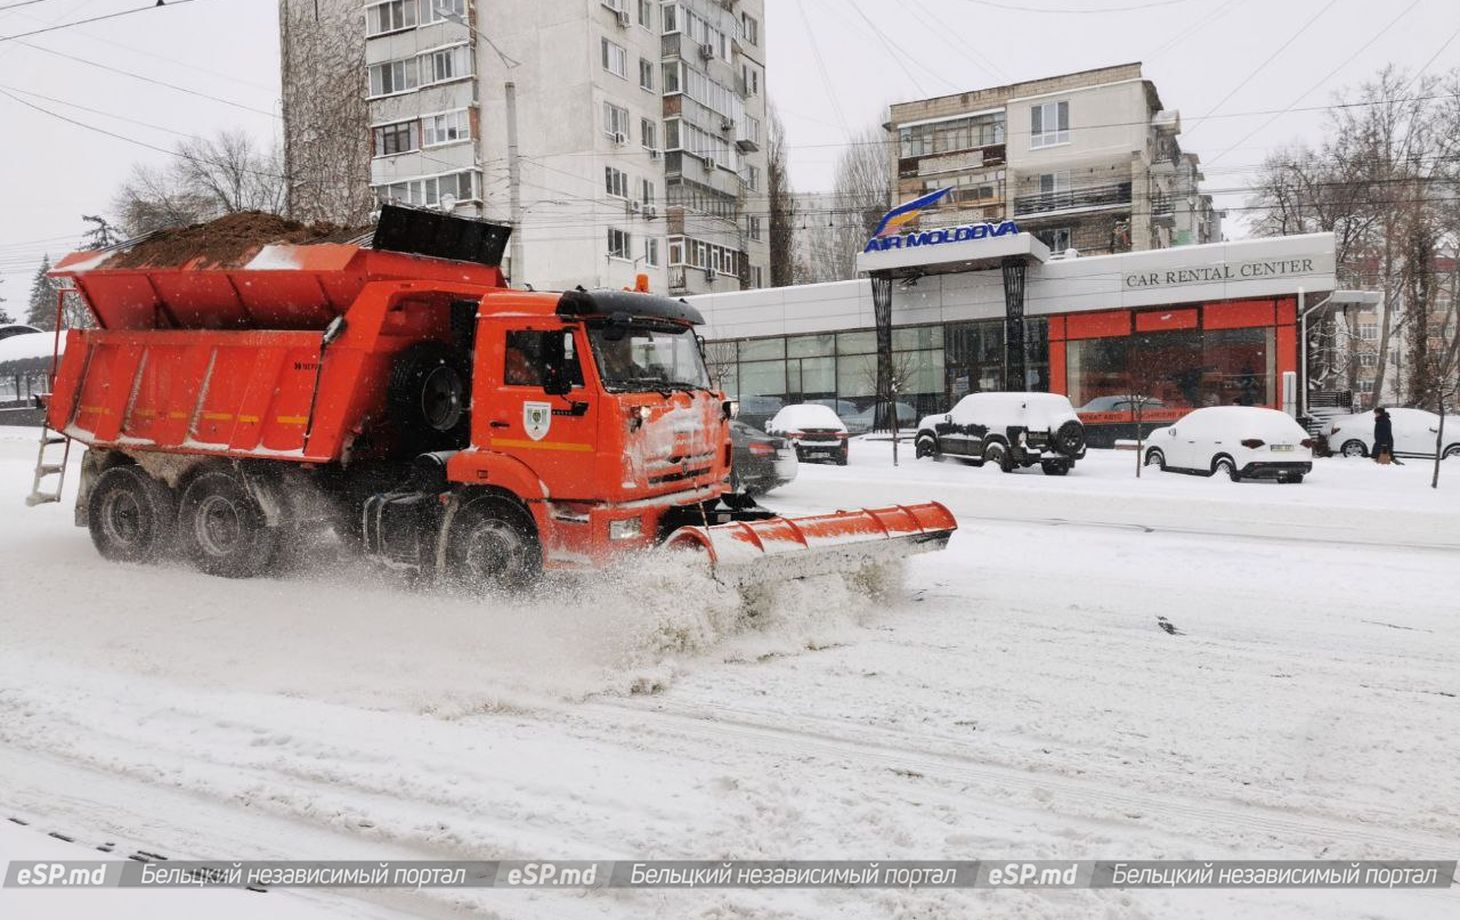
x=514 y=185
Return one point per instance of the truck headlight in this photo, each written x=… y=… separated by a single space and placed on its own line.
x=731 y=408
x=626 y=529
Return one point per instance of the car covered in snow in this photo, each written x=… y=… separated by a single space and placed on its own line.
x=760 y=462
x=1415 y=432
x=1007 y=429
x=1242 y=442
x=862 y=419
x=814 y=430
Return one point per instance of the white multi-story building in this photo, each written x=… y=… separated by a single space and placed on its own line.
x=638 y=129
x=1087 y=160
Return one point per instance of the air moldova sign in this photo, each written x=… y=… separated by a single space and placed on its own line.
x=887 y=235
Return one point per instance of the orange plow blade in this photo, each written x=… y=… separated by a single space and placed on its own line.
x=779 y=548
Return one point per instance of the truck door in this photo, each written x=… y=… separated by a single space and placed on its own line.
x=527 y=364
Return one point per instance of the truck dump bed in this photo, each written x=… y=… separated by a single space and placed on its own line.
x=211 y=340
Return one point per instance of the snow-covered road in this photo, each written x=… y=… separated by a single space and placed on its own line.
x=1016 y=700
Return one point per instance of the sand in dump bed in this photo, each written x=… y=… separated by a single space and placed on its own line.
x=228 y=241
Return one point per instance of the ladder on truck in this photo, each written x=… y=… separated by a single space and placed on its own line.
x=47 y=464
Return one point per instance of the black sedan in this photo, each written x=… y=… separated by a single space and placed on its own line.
x=760 y=462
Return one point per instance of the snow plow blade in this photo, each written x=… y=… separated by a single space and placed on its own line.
x=781 y=548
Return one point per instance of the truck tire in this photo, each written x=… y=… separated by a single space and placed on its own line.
x=223 y=530
x=996 y=453
x=428 y=396
x=493 y=544
x=132 y=517
x=1055 y=467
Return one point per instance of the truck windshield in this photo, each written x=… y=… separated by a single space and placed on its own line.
x=638 y=357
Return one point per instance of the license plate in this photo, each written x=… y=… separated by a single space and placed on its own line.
x=1282 y=447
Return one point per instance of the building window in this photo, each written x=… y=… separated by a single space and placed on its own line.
x=750 y=78
x=616 y=181
x=671 y=18
x=445 y=64
x=951 y=135
x=615 y=59
x=648 y=133
x=646 y=14
x=619 y=243
x=1049 y=124
x=1369 y=332
x=392 y=77
x=752 y=178
x=446 y=128
x=1366 y=386
x=396 y=138
x=651 y=251
x=753 y=227
x=756 y=277
x=442 y=10
x=749 y=29
x=390 y=17
x=676 y=251
x=1182 y=369
x=430 y=190
x=616 y=122
x=646 y=75
x=1368 y=359
x=1056 y=238
x=647 y=189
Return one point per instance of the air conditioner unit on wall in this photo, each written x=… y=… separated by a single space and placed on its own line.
x=727 y=124
x=707 y=52
x=709 y=164
x=650 y=212
x=636 y=206
x=653 y=153
x=623 y=19
x=620 y=138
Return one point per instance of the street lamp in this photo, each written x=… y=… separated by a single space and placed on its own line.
x=1341 y=298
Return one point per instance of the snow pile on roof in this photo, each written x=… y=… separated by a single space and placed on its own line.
x=28 y=345
x=806 y=415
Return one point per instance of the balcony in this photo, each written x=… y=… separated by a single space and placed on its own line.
x=1163 y=210
x=1077 y=199
x=678 y=283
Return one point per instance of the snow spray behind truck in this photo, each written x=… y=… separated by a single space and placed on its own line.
x=252 y=378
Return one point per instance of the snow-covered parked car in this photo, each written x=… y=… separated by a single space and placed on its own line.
x=1244 y=442
x=1415 y=431
x=815 y=431
x=1007 y=429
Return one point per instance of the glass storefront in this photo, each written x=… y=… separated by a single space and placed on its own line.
x=933 y=365
x=1182 y=369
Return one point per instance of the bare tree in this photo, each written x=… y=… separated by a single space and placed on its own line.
x=862 y=193
x=209 y=178
x=782 y=201
x=326 y=118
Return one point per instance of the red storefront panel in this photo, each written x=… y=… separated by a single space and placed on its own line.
x=1056 y=328
x=1097 y=325
x=1287 y=311
x=1286 y=356
x=1058 y=382
x=1237 y=314
x=1161 y=320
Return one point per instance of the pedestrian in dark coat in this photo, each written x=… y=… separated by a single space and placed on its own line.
x=1383 y=435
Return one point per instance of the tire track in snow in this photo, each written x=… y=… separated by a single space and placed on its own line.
x=886 y=749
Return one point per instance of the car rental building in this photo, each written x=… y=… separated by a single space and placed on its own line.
x=986 y=307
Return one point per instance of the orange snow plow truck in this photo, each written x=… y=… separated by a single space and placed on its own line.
x=238 y=392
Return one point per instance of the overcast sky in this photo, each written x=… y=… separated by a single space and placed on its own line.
x=833 y=67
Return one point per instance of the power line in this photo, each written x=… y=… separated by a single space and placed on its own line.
x=11 y=6
x=146 y=79
x=1268 y=60
x=82 y=22
x=1326 y=77
x=1081 y=11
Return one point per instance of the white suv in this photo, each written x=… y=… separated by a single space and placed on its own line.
x=1007 y=429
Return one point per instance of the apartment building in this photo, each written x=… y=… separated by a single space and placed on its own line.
x=1359 y=333
x=621 y=137
x=1088 y=161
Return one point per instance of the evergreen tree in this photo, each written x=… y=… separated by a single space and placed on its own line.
x=5 y=317
x=42 y=312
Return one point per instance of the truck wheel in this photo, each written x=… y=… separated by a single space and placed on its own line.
x=1070 y=438
x=1055 y=467
x=428 y=396
x=493 y=543
x=132 y=517
x=926 y=447
x=223 y=529
x=998 y=454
